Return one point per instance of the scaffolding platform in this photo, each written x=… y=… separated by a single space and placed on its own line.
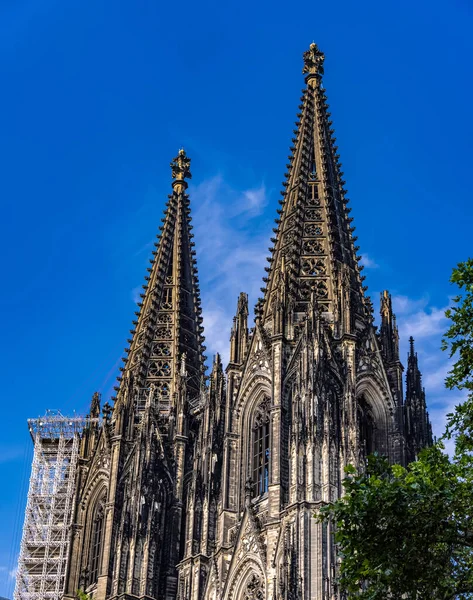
x=44 y=549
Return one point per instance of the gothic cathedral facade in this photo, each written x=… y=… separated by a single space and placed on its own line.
x=205 y=488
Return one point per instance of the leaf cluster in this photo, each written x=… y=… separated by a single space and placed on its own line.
x=406 y=532
x=458 y=341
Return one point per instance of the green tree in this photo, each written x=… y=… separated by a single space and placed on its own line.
x=458 y=341
x=407 y=533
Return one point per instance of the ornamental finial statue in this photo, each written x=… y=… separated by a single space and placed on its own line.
x=181 y=167
x=313 y=60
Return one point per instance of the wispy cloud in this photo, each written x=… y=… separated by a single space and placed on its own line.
x=368 y=262
x=217 y=322
x=427 y=323
x=7 y=579
x=253 y=201
x=231 y=245
x=436 y=371
x=135 y=294
x=424 y=323
x=403 y=305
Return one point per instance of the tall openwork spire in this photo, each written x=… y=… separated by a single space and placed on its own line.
x=417 y=424
x=168 y=329
x=414 y=389
x=314 y=248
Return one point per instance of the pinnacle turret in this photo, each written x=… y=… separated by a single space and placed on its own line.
x=413 y=376
x=314 y=237
x=239 y=332
x=417 y=424
x=169 y=322
x=389 y=335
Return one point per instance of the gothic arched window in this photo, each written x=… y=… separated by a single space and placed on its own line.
x=96 y=539
x=366 y=427
x=261 y=449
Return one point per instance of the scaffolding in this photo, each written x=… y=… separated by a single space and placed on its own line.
x=46 y=535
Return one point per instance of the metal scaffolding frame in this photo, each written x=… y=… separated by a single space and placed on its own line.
x=46 y=535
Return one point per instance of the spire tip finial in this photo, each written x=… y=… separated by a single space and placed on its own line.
x=313 y=60
x=180 y=167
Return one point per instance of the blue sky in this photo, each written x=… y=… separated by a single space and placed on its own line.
x=97 y=97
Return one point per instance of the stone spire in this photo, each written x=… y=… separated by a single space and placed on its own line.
x=168 y=324
x=239 y=332
x=314 y=246
x=417 y=424
x=413 y=377
x=389 y=335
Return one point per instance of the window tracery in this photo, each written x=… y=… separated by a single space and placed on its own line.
x=161 y=349
x=261 y=449
x=164 y=333
x=254 y=589
x=313 y=229
x=159 y=368
x=312 y=247
x=366 y=427
x=313 y=267
x=96 y=539
x=322 y=290
x=167 y=300
x=313 y=215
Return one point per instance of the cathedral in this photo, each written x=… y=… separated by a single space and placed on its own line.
x=205 y=487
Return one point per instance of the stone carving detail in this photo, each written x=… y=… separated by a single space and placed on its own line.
x=312 y=247
x=290 y=237
x=160 y=368
x=321 y=289
x=254 y=589
x=312 y=229
x=164 y=332
x=161 y=349
x=313 y=60
x=180 y=166
x=313 y=267
x=313 y=215
x=249 y=542
x=313 y=201
x=259 y=360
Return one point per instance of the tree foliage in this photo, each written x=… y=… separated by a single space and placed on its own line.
x=458 y=341
x=407 y=533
